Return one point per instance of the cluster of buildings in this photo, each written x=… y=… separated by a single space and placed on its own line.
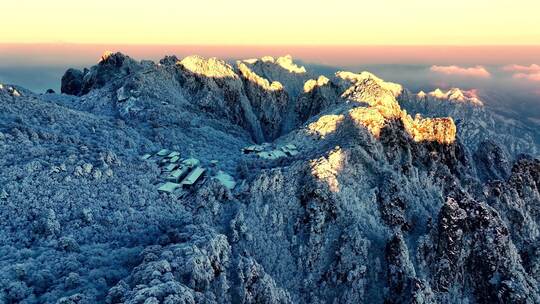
x=266 y=151
x=180 y=174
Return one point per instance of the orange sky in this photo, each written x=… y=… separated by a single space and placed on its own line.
x=276 y=22
x=337 y=32
x=87 y=54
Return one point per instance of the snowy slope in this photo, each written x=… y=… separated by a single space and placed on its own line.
x=379 y=206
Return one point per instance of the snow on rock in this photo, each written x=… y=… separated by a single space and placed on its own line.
x=476 y=120
x=247 y=73
x=454 y=95
x=211 y=67
x=10 y=90
x=268 y=100
x=190 y=267
x=111 y=67
x=282 y=70
x=377 y=206
x=370 y=118
x=383 y=107
x=311 y=84
x=442 y=130
x=317 y=96
x=394 y=88
x=256 y=286
x=327 y=169
x=326 y=124
x=287 y=63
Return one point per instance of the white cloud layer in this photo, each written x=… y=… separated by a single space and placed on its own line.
x=533 y=68
x=528 y=76
x=526 y=72
x=476 y=71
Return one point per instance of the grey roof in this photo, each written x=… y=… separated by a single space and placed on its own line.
x=254 y=148
x=170 y=167
x=173 y=154
x=278 y=153
x=292 y=152
x=178 y=174
x=290 y=149
x=274 y=154
x=193 y=176
x=169 y=187
x=163 y=152
x=192 y=162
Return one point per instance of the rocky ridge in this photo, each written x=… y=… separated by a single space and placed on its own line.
x=378 y=206
x=476 y=121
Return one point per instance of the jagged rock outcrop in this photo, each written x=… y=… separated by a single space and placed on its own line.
x=377 y=206
x=283 y=70
x=318 y=95
x=169 y=60
x=289 y=75
x=454 y=95
x=268 y=100
x=402 y=281
x=256 y=286
x=492 y=162
x=72 y=82
x=287 y=63
x=215 y=86
x=473 y=240
x=112 y=66
x=382 y=107
x=190 y=267
x=326 y=125
x=211 y=67
x=476 y=120
x=517 y=199
x=442 y=130
x=366 y=88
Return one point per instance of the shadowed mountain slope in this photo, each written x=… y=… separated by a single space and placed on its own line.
x=375 y=205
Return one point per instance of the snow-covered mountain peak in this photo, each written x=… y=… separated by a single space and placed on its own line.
x=395 y=88
x=437 y=93
x=209 y=67
x=288 y=64
x=311 y=84
x=347 y=199
x=270 y=63
x=456 y=95
x=268 y=59
x=282 y=70
x=106 y=55
x=247 y=73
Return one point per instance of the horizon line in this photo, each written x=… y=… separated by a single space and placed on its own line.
x=270 y=45
x=332 y=55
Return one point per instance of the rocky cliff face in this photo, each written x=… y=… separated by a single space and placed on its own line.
x=477 y=121
x=111 y=66
x=378 y=206
x=269 y=101
x=317 y=96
